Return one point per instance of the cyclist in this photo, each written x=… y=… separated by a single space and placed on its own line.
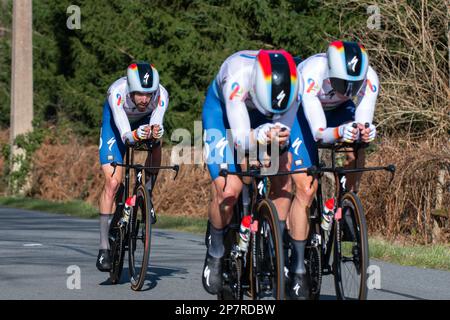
x=255 y=95
x=328 y=83
x=134 y=110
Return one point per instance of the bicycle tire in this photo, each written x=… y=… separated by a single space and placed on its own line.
x=140 y=229
x=313 y=252
x=116 y=237
x=351 y=240
x=117 y=254
x=268 y=225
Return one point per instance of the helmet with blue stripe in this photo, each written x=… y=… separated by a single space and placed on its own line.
x=274 y=87
x=347 y=67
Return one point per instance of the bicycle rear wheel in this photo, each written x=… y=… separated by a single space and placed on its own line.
x=139 y=239
x=269 y=276
x=351 y=250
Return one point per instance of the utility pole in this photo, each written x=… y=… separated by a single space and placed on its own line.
x=21 y=80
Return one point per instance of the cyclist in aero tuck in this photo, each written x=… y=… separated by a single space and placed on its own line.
x=328 y=82
x=255 y=95
x=134 y=110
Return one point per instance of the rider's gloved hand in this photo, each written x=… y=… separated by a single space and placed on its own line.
x=283 y=134
x=131 y=137
x=348 y=133
x=158 y=131
x=262 y=133
x=367 y=134
x=143 y=132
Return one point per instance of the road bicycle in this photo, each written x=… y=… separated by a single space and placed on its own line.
x=131 y=226
x=259 y=271
x=343 y=249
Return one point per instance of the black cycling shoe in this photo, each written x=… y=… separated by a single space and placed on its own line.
x=104 y=260
x=299 y=286
x=212 y=274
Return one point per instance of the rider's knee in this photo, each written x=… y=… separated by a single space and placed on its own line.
x=304 y=190
x=228 y=197
x=111 y=186
x=350 y=158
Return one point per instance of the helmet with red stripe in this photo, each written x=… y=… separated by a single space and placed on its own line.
x=142 y=77
x=274 y=87
x=347 y=67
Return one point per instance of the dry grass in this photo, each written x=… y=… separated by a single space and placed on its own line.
x=410 y=54
x=406 y=208
x=67 y=171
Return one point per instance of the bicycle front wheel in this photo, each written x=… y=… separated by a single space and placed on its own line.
x=139 y=239
x=351 y=250
x=268 y=277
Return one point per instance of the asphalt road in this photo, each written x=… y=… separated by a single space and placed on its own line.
x=41 y=253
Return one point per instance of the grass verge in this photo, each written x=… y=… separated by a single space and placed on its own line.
x=431 y=256
x=426 y=256
x=81 y=209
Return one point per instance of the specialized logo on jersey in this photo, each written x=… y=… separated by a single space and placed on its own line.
x=371 y=86
x=297 y=143
x=311 y=85
x=119 y=99
x=221 y=146
x=111 y=143
x=237 y=91
x=353 y=63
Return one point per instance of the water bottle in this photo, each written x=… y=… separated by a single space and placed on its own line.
x=327 y=216
x=244 y=233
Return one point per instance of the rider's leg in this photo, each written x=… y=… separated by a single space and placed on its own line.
x=221 y=210
x=219 y=155
x=305 y=188
x=281 y=188
x=153 y=160
x=304 y=154
x=106 y=201
x=111 y=149
x=354 y=160
x=281 y=194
